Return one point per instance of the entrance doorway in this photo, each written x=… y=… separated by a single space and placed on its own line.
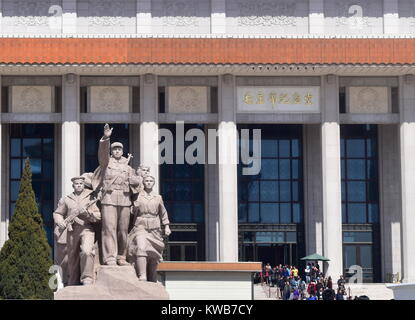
x=273 y=253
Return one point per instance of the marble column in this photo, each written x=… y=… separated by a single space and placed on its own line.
x=390 y=199
x=71 y=132
x=149 y=148
x=227 y=168
x=313 y=190
x=407 y=160
x=331 y=177
x=3 y=211
x=212 y=200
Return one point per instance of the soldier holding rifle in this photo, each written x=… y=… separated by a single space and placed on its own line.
x=74 y=217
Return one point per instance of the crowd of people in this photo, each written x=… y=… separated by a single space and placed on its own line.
x=310 y=284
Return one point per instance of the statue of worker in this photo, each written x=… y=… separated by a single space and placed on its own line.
x=142 y=171
x=145 y=241
x=119 y=182
x=75 y=216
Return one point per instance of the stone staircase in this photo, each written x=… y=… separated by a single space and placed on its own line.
x=375 y=291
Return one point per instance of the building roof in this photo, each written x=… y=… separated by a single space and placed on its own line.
x=220 y=51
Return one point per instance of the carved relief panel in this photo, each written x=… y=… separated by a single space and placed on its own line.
x=31 y=16
x=114 y=99
x=106 y=16
x=356 y=17
x=31 y=99
x=266 y=16
x=406 y=12
x=369 y=100
x=181 y=16
x=187 y=99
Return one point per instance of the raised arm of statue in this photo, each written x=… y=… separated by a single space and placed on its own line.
x=104 y=147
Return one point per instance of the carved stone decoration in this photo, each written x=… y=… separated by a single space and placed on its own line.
x=267 y=13
x=149 y=78
x=31 y=13
x=356 y=19
x=105 y=13
x=70 y=78
x=175 y=10
x=227 y=78
x=369 y=100
x=188 y=99
x=114 y=99
x=31 y=99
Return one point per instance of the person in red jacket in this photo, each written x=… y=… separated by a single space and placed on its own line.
x=311 y=289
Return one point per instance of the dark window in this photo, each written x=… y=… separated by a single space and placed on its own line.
x=162 y=100
x=182 y=187
x=93 y=133
x=58 y=99
x=360 y=199
x=214 y=99
x=83 y=91
x=36 y=142
x=183 y=191
x=275 y=195
x=359 y=162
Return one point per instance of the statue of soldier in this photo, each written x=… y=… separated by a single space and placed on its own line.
x=119 y=182
x=74 y=217
x=145 y=241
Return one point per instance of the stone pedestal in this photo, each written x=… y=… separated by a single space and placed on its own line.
x=115 y=283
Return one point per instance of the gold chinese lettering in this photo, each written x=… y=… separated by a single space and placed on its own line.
x=273 y=98
x=260 y=98
x=284 y=98
x=248 y=99
x=296 y=98
x=307 y=98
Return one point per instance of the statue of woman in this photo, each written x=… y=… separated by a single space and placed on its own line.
x=145 y=241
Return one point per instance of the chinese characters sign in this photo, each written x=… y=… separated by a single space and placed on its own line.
x=278 y=99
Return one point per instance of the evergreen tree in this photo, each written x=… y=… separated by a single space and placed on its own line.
x=25 y=258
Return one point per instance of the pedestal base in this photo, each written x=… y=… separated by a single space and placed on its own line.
x=115 y=283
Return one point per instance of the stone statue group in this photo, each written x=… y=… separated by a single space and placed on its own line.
x=113 y=195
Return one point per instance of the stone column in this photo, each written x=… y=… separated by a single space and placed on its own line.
x=212 y=201
x=71 y=132
x=390 y=17
x=331 y=177
x=218 y=16
x=313 y=190
x=227 y=166
x=149 y=148
x=3 y=211
x=390 y=199
x=69 y=16
x=316 y=16
x=407 y=155
x=143 y=16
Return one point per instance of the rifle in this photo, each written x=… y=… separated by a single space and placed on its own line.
x=61 y=233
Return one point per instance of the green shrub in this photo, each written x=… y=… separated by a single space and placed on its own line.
x=25 y=258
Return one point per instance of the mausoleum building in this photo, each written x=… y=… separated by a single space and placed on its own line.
x=330 y=84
